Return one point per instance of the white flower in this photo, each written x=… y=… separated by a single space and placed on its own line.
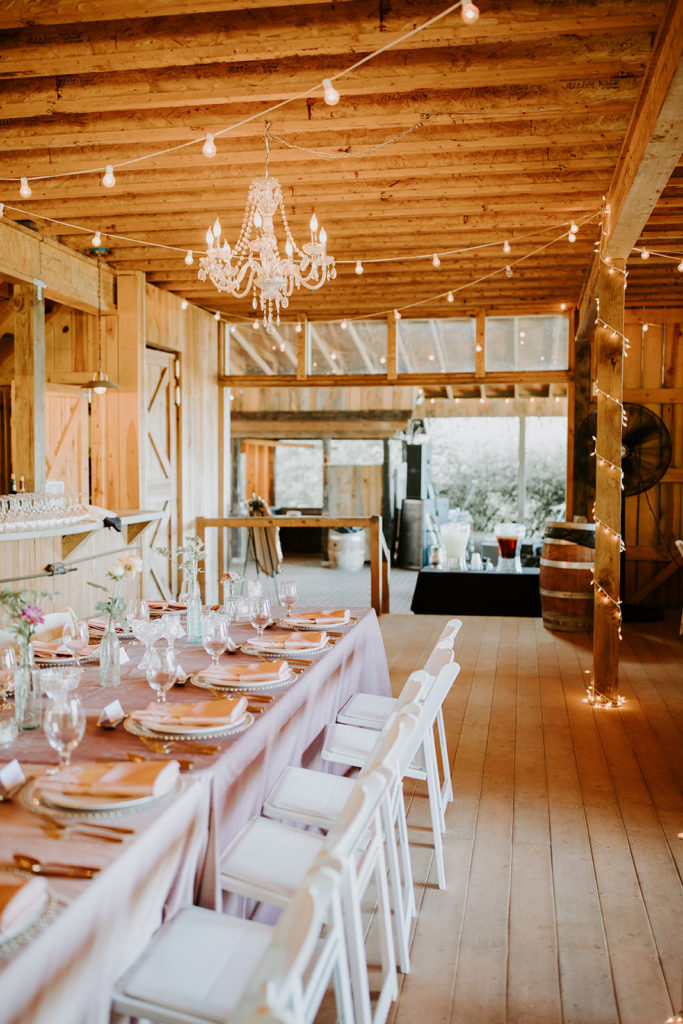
x=116 y=571
x=231 y=576
x=131 y=563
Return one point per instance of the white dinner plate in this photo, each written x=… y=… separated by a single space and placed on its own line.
x=300 y=627
x=83 y=659
x=71 y=805
x=31 y=925
x=247 y=684
x=263 y=652
x=194 y=733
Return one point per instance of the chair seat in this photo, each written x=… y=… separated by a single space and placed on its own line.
x=370 y=710
x=307 y=796
x=196 y=967
x=352 y=744
x=267 y=860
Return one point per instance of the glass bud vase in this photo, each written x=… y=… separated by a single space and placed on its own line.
x=110 y=657
x=194 y=613
x=27 y=692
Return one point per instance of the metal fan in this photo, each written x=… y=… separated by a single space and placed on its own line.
x=645 y=448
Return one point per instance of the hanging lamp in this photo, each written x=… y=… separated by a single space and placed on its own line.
x=100 y=381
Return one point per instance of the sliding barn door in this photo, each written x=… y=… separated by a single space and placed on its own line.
x=160 y=488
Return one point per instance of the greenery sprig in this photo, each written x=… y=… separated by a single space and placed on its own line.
x=22 y=612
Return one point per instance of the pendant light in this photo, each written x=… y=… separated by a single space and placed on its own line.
x=100 y=382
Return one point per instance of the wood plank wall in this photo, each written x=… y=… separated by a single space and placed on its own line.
x=654 y=519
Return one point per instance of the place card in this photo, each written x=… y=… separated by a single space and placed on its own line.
x=11 y=776
x=111 y=715
x=123 y=656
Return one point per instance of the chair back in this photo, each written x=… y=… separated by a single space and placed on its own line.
x=431 y=705
x=414 y=689
x=357 y=816
x=451 y=629
x=291 y=979
x=441 y=654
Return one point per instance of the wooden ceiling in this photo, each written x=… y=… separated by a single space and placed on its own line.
x=522 y=117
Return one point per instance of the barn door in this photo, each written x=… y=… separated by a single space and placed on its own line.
x=161 y=471
x=66 y=440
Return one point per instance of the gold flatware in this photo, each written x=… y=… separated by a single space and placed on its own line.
x=55 y=832
x=166 y=746
x=55 y=868
x=119 y=829
x=185 y=765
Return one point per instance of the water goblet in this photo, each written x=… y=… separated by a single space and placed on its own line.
x=214 y=636
x=64 y=726
x=75 y=636
x=8 y=724
x=254 y=588
x=8 y=663
x=259 y=614
x=137 y=608
x=288 y=594
x=147 y=632
x=161 y=671
x=171 y=629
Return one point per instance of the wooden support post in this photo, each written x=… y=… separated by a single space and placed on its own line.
x=376 y=563
x=301 y=350
x=392 y=337
x=609 y=364
x=28 y=403
x=387 y=502
x=236 y=495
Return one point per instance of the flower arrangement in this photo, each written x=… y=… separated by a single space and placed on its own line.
x=21 y=612
x=188 y=555
x=230 y=578
x=114 y=606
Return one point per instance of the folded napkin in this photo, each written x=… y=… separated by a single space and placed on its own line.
x=203 y=714
x=246 y=674
x=292 y=641
x=101 y=624
x=55 y=650
x=114 y=779
x=166 y=606
x=20 y=900
x=324 y=617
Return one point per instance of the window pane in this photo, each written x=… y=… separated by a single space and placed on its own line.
x=361 y=347
x=527 y=343
x=436 y=346
x=299 y=474
x=252 y=350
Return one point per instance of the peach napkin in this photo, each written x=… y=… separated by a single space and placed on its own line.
x=100 y=625
x=292 y=641
x=202 y=715
x=246 y=674
x=114 y=779
x=55 y=650
x=166 y=606
x=20 y=900
x=325 y=617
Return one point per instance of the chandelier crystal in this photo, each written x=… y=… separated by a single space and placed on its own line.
x=255 y=264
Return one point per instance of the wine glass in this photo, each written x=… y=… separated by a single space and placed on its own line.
x=64 y=726
x=136 y=609
x=259 y=614
x=254 y=588
x=288 y=594
x=214 y=636
x=75 y=636
x=171 y=629
x=8 y=663
x=161 y=671
x=147 y=632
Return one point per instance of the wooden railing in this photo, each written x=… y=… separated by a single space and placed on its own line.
x=379 y=553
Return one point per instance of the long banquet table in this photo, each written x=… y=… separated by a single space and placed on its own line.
x=65 y=972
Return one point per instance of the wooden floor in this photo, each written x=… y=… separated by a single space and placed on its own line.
x=564 y=902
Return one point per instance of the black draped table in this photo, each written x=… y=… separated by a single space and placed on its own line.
x=65 y=972
x=448 y=592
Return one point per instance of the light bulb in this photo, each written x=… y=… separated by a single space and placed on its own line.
x=469 y=12
x=314 y=224
x=217 y=229
x=108 y=179
x=571 y=236
x=258 y=220
x=330 y=93
x=644 y=254
x=2 y=211
x=323 y=237
x=209 y=148
x=25 y=190
x=343 y=325
x=183 y=304
x=563 y=306
x=298 y=328
x=255 y=325
x=508 y=271
x=478 y=348
x=574 y=227
x=435 y=260
x=216 y=315
x=359 y=267
x=449 y=297
x=431 y=357
x=209 y=239
x=397 y=315
x=289 y=248
x=680 y=267
x=507 y=248
x=646 y=327
x=189 y=258
x=97 y=239
x=100 y=391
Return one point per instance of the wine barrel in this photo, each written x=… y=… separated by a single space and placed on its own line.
x=566 y=577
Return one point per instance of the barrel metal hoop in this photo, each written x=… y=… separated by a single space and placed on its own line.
x=551 y=564
x=571 y=595
x=582 y=534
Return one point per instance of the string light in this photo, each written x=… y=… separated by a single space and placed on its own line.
x=184 y=304
x=25 y=189
x=255 y=325
x=450 y=297
x=397 y=315
x=571 y=237
x=680 y=266
x=617 y=401
x=507 y=248
x=216 y=315
x=359 y=267
x=644 y=254
x=209 y=147
x=469 y=12
x=108 y=179
x=436 y=262
x=97 y=239
x=189 y=258
x=646 y=327
x=508 y=271
x=574 y=228
x=597 y=700
x=343 y=325
x=330 y=93
x=298 y=327
x=2 y=209
x=613 y=533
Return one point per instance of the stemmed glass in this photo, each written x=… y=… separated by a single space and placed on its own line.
x=161 y=672
x=8 y=721
x=288 y=594
x=64 y=726
x=8 y=663
x=214 y=636
x=259 y=614
x=147 y=632
x=75 y=636
x=171 y=629
x=136 y=609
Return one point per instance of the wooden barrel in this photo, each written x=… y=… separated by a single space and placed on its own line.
x=566 y=577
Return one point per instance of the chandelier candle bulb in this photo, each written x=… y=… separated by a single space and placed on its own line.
x=330 y=94
x=25 y=189
x=108 y=179
x=209 y=147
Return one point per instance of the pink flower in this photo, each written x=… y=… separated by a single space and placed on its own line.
x=32 y=614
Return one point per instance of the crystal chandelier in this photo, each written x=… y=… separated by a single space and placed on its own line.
x=255 y=264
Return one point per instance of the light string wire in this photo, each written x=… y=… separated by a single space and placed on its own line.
x=252 y=117
x=348 y=155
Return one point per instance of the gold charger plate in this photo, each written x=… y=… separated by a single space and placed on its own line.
x=209 y=733
x=30 y=927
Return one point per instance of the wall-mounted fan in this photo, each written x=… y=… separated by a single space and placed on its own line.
x=645 y=449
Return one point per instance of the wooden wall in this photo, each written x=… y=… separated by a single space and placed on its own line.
x=653 y=376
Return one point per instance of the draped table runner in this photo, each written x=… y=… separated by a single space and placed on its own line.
x=65 y=973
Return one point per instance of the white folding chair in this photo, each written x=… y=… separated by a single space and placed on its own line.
x=267 y=860
x=371 y=710
x=203 y=967
x=351 y=745
x=312 y=797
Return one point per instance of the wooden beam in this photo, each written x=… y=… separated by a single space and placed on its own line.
x=28 y=400
x=69 y=277
x=654 y=141
x=607 y=611
x=362 y=380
